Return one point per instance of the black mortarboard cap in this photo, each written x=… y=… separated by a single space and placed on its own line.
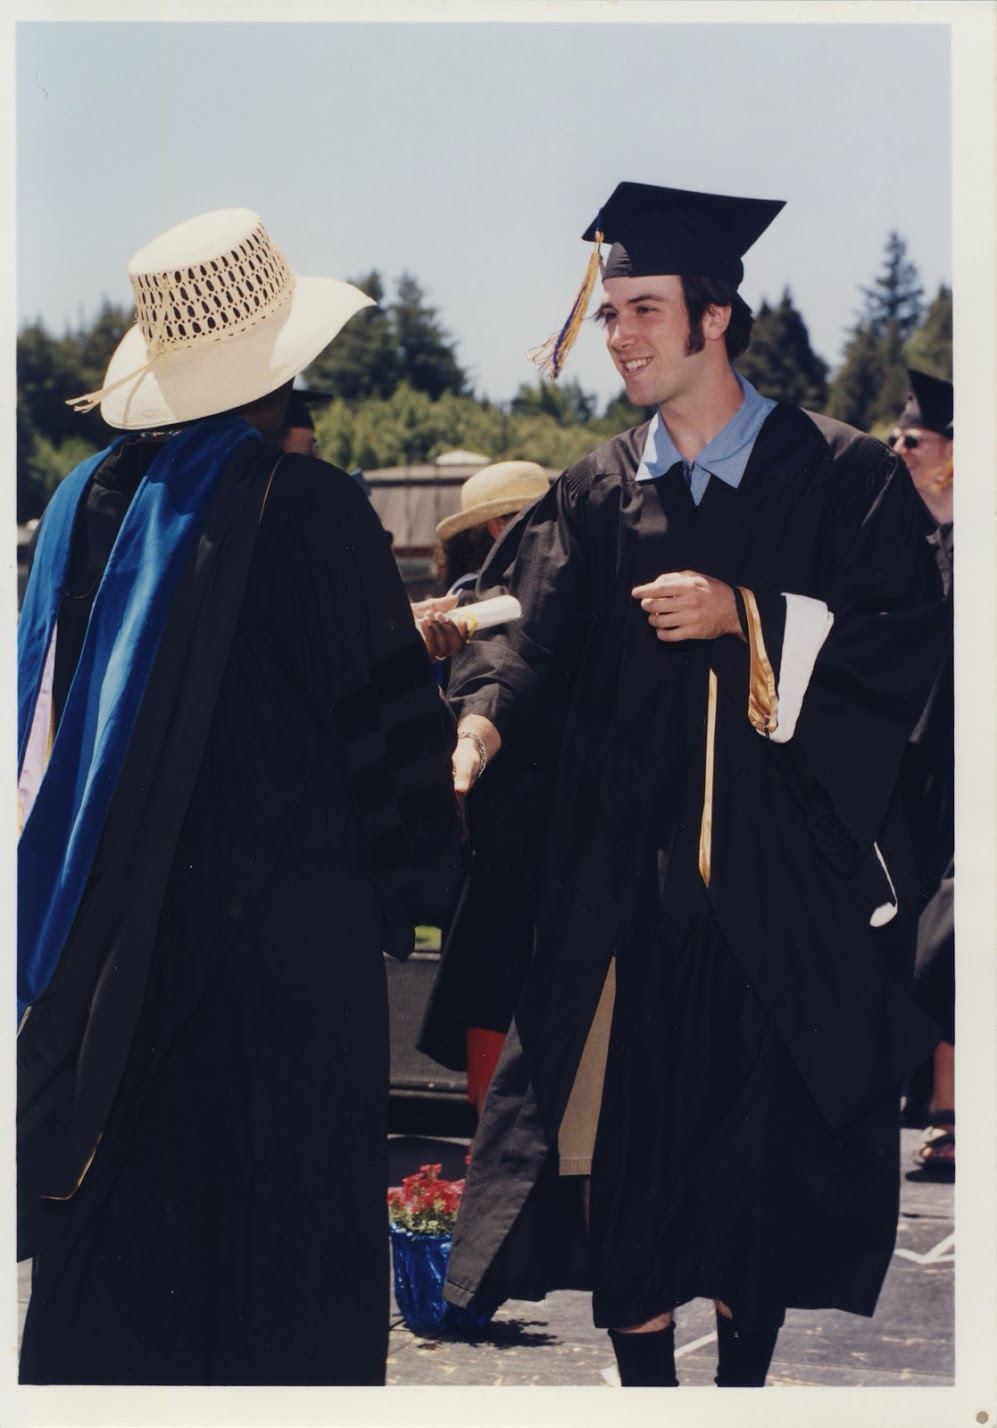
x=675 y=230
x=929 y=403
x=297 y=413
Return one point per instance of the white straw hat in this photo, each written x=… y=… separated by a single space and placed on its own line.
x=221 y=321
x=499 y=490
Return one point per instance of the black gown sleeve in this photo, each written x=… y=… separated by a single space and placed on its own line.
x=506 y=673
x=834 y=677
x=380 y=701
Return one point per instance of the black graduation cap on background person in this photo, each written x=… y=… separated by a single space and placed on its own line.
x=297 y=413
x=930 y=403
x=655 y=230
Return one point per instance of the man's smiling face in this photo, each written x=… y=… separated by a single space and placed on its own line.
x=647 y=333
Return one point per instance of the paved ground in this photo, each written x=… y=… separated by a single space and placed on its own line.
x=553 y=1343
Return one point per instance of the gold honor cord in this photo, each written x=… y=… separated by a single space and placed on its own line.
x=80 y=1178
x=763 y=701
x=706 y=825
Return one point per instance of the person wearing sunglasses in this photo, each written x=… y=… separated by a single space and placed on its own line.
x=923 y=440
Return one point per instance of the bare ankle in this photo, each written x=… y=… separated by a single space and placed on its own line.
x=660 y=1321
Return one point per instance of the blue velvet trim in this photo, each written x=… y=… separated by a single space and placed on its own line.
x=133 y=600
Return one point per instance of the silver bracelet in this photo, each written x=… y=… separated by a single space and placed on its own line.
x=482 y=752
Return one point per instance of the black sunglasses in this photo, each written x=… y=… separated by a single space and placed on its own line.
x=909 y=443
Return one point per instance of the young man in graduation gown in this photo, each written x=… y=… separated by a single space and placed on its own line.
x=235 y=793
x=735 y=611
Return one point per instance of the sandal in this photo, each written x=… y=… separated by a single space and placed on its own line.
x=933 y=1158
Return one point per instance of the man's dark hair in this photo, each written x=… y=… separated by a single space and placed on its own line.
x=701 y=293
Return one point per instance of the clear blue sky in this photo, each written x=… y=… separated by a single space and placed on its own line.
x=473 y=155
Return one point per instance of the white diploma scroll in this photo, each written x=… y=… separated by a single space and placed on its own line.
x=481 y=616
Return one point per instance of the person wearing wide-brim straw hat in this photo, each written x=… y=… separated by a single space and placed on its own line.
x=502 y=489
x=215 y=852
x=488 y=501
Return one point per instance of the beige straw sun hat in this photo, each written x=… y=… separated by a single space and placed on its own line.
x=220 y=321
x=500 y=490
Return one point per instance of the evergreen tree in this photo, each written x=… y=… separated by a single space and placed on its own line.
x=50 y=435
x=780 y=362
x=381 y=348
x=857 y=386
x=893 y=303
x=870 y=388
x=566 y=402
x=426 y=358
x=362 y=362
x=930 y=348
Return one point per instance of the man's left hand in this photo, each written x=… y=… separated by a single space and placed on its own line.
x=684 y=605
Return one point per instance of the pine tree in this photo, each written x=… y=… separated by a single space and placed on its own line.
x=855 y=392
x=362 y=362
x=780 y=362
x=426 y=357
x=893 y=303
x=566 y=402
x=930 y=348
x=869 y=389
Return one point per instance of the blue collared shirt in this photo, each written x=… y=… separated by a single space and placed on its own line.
x=724 y=456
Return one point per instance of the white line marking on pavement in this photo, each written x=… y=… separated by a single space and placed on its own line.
x=938 y=1254
x=611 y=1376
x=696 y=1344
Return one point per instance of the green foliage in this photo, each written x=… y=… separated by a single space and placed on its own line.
x=409 y=428
x=47 y=464
x=780 y=362
x=382 y=348
x=930 y=348
x=870 y=387
x=362 y=362
x=567 y=403
x=399 y=396
x=621 y=414
x=49 y=433
x=426 y=358
x=854 y=393
x=893 y=303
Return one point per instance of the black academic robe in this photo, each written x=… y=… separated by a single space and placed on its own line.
x=747 y=1147
x=203 y=1087
x=489 y=942
x=928 y=781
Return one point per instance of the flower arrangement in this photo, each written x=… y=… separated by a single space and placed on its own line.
x=425 y=1204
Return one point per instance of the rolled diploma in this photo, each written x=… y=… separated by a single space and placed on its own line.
x=484 y=614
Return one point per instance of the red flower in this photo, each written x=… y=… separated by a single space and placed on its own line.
x=425 y=1203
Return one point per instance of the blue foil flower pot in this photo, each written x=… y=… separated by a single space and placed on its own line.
x=420 y=1267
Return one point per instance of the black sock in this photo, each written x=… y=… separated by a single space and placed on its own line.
x=646 y=1360
x=743 y=1355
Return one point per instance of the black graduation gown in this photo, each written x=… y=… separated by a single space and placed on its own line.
x=747 y=1147
x=928 y=780
x=216 y=1031
x=489 y=942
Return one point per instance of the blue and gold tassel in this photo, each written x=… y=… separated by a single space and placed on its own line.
x=550 y=356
